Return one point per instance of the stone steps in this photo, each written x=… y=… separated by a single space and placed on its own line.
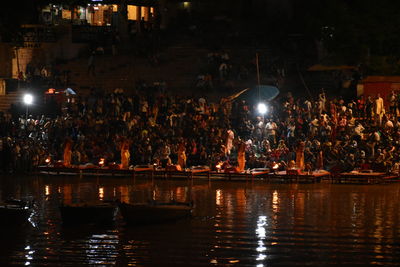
x=178 y=67
x=10 y=98
x=125 y=71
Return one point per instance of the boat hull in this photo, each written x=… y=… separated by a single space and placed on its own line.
x=92 y=214
x=14 y=215
x=154 y=213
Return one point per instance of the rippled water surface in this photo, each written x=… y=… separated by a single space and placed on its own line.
x=233 y=224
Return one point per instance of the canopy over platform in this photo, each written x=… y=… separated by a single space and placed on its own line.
x=381 y=79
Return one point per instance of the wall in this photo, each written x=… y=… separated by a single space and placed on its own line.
x=383 y=88
x=47 y=53
x=6 y=55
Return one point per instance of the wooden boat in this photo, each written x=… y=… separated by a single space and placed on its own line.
x=101 y=214
x=155 y=212
x=15 y=212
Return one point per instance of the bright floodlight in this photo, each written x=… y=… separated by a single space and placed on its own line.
x=28 y=99
x=262 y=108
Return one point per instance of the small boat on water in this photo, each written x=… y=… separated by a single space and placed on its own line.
x=100 y=214
x=15 y=212
x=155 y=212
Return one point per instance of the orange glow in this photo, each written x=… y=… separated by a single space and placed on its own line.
x=101 y=193
x=133 y=12
x=219 y=166
x=218 y=197
x=124 y=194
x=47 y=190
x=67 y=194
x=275 y=201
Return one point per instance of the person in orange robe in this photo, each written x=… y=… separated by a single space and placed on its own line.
x=125 y=155
x=241 y=158
x=67 y=154
x=182 y=155
x=300 y=156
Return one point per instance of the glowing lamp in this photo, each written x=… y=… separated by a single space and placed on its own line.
x=275 y=166
x=218 y=166
x=262 y=108
x=28 y=99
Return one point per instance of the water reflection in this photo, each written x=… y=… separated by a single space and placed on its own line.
x=102 y=249
x=261 y=235
x=218 y=197
x=233 y=224
x=101 y=193
x=28 y=255
x=47 y=190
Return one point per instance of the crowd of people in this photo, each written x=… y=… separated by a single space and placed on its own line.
x=158 y=128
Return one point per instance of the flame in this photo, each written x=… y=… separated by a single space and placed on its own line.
x=101 y=162
x=219 y=165
x=47 y=160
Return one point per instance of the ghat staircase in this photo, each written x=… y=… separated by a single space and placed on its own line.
x=178 y=66
x=10 y=98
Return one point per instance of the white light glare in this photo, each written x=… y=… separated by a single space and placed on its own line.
x=28 y=99
x=262 y=108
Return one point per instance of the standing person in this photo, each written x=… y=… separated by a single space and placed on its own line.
x=241 y=157
x=182 y=155
x=322 y=101
x=271 y=129
x=125 y=155
x=164 y=155
x=67 y=153
x=229 y=141
x=361 y=107
x=368 y=108
x=373 y=140
x=223 y=71
x=318 y=151
x=291 y=128
x=393 y=103
x=300 y=155
x=91 y=65
x=379 y=109
x=333 y=108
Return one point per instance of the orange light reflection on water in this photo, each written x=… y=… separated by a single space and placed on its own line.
x=218 y=197
x=47 y=190
x=101 y=193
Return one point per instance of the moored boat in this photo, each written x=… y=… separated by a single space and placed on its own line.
x=15 y=212
x=155 y=212
x=100 y=214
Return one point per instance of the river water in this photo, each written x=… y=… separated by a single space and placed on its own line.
x=233 y=224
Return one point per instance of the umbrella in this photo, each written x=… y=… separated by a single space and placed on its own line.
x=69 y=91
x=266 y=92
